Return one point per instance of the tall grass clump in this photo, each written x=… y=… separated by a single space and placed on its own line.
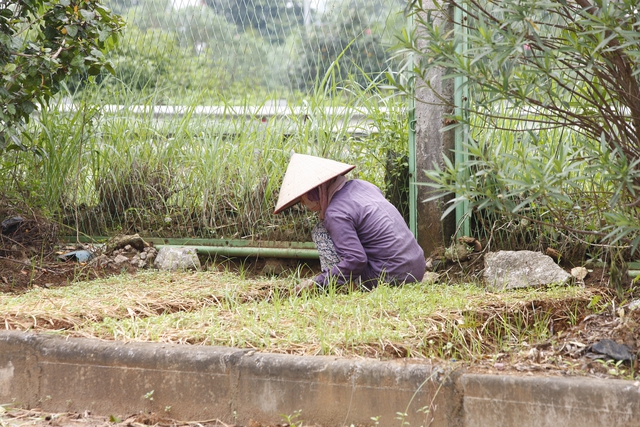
x=59 y=158
x=128 y=166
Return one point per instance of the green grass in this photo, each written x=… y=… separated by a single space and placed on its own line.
x=219 y=308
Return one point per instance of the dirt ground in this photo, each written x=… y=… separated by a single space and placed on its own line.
x=32 y=256
x=33 y=238
x=35 y=417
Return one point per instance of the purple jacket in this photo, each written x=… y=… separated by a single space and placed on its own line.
x=371 y=238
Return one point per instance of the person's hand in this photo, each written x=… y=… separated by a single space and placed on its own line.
x=305 y=284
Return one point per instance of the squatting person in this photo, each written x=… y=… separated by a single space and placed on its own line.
x=361 y=238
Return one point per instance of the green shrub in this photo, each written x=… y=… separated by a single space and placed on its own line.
x=552 y=110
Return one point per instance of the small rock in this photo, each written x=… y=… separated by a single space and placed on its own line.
x=534 y=355
x=429 y=264
x=151 y=254
x=519 y=269
x=610 y=349
x=172 y=259
x=580 y=273
x=430 y=277
x=23 y=258
x=433 y=264
x=458 y=252
x=120 y=259
x=100 y=260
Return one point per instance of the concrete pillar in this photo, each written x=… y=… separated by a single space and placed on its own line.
x=431 y=146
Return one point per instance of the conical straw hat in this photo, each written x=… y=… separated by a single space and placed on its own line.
x=305 y=173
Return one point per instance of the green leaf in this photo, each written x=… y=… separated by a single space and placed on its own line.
x=88 y=15
x=72 y=30
x=97 y=53
x=77 y=61
x=9 y=68
x=27 y=107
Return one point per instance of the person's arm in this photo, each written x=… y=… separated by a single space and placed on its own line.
x=353 y=259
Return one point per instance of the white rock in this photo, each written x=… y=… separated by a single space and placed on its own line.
x=172 y=259
x=520 y=269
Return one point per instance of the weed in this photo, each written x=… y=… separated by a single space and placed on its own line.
x=293 y=419
x=401 y=416
x=597 y=305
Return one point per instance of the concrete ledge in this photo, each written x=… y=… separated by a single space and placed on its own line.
x=491 y=400
x=199 y=382
x=196 y=383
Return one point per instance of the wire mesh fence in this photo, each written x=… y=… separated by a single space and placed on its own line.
x=189 y=176
x=191 y=136
x=252 y=49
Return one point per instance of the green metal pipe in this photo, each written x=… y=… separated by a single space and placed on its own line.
x=226 y=247
x=235 y=251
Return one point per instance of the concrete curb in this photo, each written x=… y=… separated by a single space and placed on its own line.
x=196 y=382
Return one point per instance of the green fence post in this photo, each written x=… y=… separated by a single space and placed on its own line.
x=461 y=99
x=413 y=193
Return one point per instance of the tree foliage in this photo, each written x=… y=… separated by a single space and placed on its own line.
x=536 y=68
x=352 y=39
x=41 y=43
x=272 y=20
x=270 y=46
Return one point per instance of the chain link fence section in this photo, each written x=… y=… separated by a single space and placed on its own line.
x=240 y=50
x=209 y=100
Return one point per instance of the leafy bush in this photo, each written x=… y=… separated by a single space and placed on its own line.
x=41 y=43
x=553 y=108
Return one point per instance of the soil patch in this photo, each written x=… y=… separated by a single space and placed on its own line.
x=16 y=417
x=30 y=253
